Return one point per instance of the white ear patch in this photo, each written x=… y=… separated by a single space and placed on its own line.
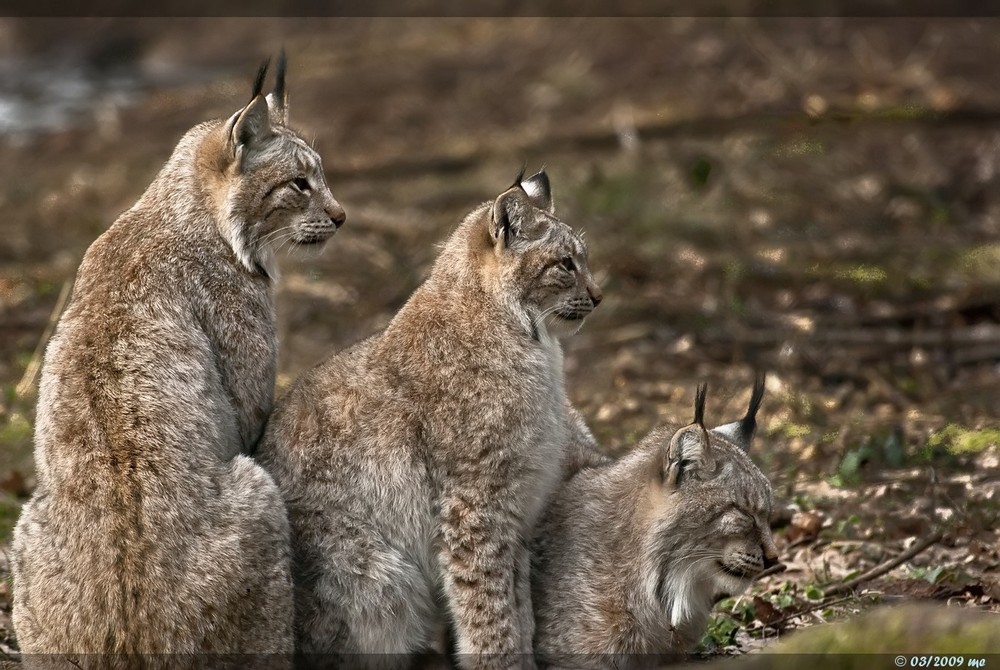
x=533 y=189
x=731 y=431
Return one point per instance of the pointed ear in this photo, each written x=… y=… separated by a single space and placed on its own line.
x=741 y=432
x=249 y=127
x=507 y=213
x=539 y=191
x=686 y=457
x=277 y=100
x=688 y=454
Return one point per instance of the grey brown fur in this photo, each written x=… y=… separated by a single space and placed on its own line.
x=150 y=530
x=632 y=554
x=416 y=463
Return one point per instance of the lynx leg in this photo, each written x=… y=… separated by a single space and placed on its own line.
x=479 y=574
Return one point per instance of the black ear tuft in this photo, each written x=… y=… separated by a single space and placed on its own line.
x=699 y=404
x=279 y=78
x=520 y=176
x=748 y=424
x=258 y=84
x=277 y=100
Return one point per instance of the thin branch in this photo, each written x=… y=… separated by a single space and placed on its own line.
x=880 y=570
x=830 y=599
x=812 y=608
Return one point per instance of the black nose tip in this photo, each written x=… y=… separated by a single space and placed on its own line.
x=596 y=298
x=770 y=560
x=338 y=219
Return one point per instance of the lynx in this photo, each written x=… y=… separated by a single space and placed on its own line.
x=415 y=464
x=632 y=554
x=150 y=530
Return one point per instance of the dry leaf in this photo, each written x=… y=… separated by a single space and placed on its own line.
x=765 y=612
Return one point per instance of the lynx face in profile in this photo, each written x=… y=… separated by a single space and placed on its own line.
x=631 y=555
x=416 y=463
x=150 y=531
x=267 y=184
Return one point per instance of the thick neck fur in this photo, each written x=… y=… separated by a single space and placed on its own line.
x=646 y=549
x=660 y=595
x=469 y=280
x=191 y=195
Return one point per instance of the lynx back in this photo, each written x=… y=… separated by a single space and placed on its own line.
x=150 y=530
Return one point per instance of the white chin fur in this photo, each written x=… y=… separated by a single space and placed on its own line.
x=560 y=327
x=691 y=591
x=730 y=585
x=684 y=597
x=265 y=258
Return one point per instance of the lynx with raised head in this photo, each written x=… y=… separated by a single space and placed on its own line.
x=151 y=531
x=416 y=463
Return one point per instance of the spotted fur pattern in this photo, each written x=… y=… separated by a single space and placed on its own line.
x=416 y=463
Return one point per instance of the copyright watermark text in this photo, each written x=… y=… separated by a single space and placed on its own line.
x=932 y=661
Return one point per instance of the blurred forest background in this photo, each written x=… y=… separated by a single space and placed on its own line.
x=813 y=197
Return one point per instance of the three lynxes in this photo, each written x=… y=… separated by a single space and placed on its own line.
x=416 y=463
x=632 y=554
x=150 y=531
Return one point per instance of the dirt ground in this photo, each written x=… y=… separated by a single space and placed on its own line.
x=816 y=198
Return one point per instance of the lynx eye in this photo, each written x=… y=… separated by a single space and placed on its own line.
x=568 y=264
x=301 y=184
x=736 y=521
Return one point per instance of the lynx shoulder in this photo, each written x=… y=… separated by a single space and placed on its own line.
x=150 y=530
x=416 y=463
x=631 y=555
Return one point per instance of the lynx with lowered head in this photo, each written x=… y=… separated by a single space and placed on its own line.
x=632 y=554
x=416 y=463
x=150 y=530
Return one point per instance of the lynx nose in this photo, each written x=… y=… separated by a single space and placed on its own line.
x=595 y=295
x=770 y=558
x=337 y=215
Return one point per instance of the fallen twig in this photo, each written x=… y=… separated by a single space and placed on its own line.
x=883 y=568
x=812 y=608
x=30 y=376
x=834 y=595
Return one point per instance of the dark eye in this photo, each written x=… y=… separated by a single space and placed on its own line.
x=568 y=264
x=301 y=183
